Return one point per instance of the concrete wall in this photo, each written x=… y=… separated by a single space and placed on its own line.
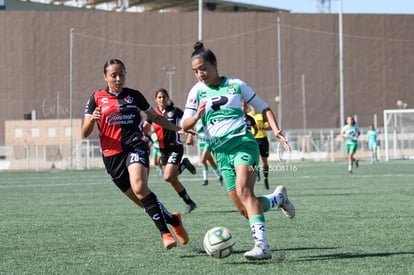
x=378 y=60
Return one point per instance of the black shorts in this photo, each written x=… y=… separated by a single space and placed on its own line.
x=117 y=165
x=172 y=155
x=263 y=146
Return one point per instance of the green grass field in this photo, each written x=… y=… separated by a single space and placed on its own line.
x=78 y=222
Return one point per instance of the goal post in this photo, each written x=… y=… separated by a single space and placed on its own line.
x=398 y=134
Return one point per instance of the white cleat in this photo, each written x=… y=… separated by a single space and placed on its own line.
x=288 y=209
x=260 y=251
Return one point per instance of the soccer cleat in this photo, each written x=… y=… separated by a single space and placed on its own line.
x=205 y=182
x=181 y=168
x=350 y=171
x=186 y=162
x=179 y=230
x=266 y=184
x=288 y=209
x=260 y=251
x=190 y=207
x=221 y=181
x=168 y=240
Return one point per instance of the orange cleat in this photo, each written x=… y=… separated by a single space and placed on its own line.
x=168 y=240
x=179 y=230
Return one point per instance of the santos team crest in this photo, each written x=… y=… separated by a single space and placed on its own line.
x=231 y=90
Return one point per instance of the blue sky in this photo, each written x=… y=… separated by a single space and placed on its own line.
x=349 y=6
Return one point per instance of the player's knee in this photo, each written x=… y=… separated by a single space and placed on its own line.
x=169 y=177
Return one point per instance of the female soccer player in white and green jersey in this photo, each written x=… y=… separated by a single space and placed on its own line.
x=217 y=101
x=351 y=133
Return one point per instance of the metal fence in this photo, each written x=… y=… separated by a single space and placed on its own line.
x=307 y=145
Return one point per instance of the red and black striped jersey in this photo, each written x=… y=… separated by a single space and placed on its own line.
x=120 y=127
x=167 y=138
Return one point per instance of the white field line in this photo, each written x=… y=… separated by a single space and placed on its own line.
x=100 y=180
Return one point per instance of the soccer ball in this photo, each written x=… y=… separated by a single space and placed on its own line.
x=218 y=242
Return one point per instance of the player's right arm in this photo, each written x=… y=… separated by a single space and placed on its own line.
x=193 y=111
x=92 y=113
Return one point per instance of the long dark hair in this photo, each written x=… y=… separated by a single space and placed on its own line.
x=353 y=120
x=165 y=92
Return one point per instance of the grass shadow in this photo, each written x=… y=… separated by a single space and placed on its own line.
x=340 y=256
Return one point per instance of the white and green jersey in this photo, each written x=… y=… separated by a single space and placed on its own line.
x=155 y=142
x=352 y=133
x=223 y=118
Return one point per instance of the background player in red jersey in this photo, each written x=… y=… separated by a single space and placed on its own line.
x=116 y=112
x=170 y=145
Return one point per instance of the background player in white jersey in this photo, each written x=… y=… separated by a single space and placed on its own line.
x=156 y=154
x=351 y=133
x=217 y=101
x=372 y=135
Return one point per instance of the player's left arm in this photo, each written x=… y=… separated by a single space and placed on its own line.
x=358 y=132
x=270 y=116
x=161 y=120
x=261 y=106
x=266 y=125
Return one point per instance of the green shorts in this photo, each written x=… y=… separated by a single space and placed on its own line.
x=156 y=152
x=242 y=150
x=203 y=145
x=351 y=148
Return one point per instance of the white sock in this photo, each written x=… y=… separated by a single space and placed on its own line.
x=205 y=174
x=259 y=232
x=275 y=199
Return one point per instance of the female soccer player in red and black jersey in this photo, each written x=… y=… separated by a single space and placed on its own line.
x=171 y=147
x=116 y=112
